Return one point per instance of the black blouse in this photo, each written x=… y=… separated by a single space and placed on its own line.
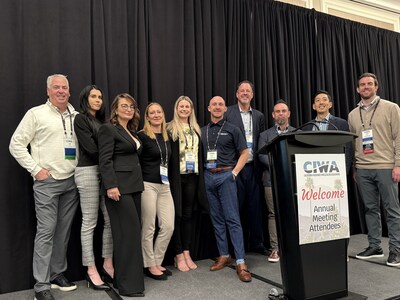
x=150 y=157
x=86 y=128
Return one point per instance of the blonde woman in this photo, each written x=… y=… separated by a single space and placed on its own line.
x=187 y=159
x=156 y=198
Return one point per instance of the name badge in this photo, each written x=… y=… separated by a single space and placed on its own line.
x=211 y=159
x=69 y=149
x=164 y=174
x=212 y=155
x=249 y=140
x=367 y=141
x=190 y=161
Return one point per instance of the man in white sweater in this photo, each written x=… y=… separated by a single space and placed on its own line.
x=377 y=162
x=48 y=130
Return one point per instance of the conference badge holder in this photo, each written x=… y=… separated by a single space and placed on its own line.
x=164 y=174
x=190 y=161
x=367 y=141
x=211 y=159
x=69 y=149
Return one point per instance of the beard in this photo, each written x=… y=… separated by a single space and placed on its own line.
x=281 y=122
x=367 y=95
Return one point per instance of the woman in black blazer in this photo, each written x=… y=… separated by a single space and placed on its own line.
x=187 y=186
x=86 y=126
x=122 y=180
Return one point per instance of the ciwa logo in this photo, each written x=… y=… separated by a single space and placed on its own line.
x=317 y=167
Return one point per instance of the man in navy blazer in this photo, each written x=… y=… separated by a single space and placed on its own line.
x=325 y=121
x=251 y=123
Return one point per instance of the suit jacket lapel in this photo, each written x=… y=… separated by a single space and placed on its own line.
x=125 y=135
x=239 y=118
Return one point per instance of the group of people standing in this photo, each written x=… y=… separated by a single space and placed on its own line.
x=109 y=165
x=373 y=159
x=162 y=172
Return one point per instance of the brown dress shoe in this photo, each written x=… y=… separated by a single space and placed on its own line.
x=243 y=273
x=220 y=263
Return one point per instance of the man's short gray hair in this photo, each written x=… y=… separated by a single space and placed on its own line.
x=51 y=77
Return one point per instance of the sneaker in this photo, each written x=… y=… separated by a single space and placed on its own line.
x=44 y=295
x=274 y=256
x=370 y=253
x=394 y=258
x=62 y=283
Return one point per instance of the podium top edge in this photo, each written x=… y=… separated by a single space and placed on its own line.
x=318 y=132
x=314 y=138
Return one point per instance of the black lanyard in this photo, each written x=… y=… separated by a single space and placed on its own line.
x=219 y=132
x=370 y=120
x=164 y=162
x=70 y=123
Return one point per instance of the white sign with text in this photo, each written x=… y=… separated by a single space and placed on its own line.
x=322 y=197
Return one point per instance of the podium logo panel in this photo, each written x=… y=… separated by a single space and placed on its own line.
x=322 y=197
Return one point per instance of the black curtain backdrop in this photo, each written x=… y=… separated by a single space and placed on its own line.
x=158 y=50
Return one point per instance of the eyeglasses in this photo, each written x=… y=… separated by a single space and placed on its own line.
x=126 y=106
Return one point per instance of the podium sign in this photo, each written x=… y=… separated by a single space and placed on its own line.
x=322 y=200
x=310 y=165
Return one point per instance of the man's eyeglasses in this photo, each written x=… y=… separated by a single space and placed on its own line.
x=126 y=106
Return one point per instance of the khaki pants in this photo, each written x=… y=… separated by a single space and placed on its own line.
x=156 y=202
x=269 y=199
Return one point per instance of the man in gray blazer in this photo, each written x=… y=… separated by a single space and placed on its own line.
x=251 y=123
x=281 y=116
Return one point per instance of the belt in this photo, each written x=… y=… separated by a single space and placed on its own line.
x=220 y=169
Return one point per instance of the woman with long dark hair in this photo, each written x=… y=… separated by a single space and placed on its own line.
x=86 y=126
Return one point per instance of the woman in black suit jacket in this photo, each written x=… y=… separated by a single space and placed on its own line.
x=122 y=180
x=86 y=126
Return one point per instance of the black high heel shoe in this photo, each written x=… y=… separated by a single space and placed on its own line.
x=100 y=287
x=105 y=276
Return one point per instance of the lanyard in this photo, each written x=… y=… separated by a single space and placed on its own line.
x=70 y=123
x=219 y=132
x=163 y=162
x=370 y=120
x=191 y=135
x=248 y=115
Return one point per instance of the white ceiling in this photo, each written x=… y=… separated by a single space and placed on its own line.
x=390 y=5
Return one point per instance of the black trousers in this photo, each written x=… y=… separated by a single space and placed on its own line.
x=126 y=231
x=184 y=224
x=250 y=205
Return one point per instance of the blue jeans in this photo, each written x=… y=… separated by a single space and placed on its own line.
x=224 y=210
x=376 y=185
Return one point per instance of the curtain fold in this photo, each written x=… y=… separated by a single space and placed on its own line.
x=285 y=55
